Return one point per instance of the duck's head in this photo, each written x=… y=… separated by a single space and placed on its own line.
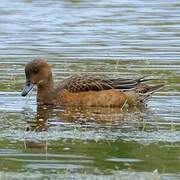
x=38 y=72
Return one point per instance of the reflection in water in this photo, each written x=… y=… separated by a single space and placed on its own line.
x=36 y=145
x=87 y=117
x=82 y=115
x=119 y=154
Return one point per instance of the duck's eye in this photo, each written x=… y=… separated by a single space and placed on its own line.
x=35 y=71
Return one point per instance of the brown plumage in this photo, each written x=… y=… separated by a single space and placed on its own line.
x=85 y=90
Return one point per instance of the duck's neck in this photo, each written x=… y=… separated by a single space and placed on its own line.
x=45 y=92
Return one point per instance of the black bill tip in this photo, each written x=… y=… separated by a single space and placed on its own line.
x=27 y=88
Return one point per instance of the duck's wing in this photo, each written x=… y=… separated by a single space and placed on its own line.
x=86 y=83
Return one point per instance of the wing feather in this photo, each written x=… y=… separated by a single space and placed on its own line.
x=78 y=83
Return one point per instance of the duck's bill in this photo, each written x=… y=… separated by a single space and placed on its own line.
x=27 y=88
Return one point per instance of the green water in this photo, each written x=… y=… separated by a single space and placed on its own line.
x=104 y=38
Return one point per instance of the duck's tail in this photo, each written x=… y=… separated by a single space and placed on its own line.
x=145 y=92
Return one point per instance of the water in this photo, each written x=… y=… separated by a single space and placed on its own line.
x=106 y=38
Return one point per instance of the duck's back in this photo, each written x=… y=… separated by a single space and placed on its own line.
x=79 y=83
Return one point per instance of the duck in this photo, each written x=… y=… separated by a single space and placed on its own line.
x=85 y=90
